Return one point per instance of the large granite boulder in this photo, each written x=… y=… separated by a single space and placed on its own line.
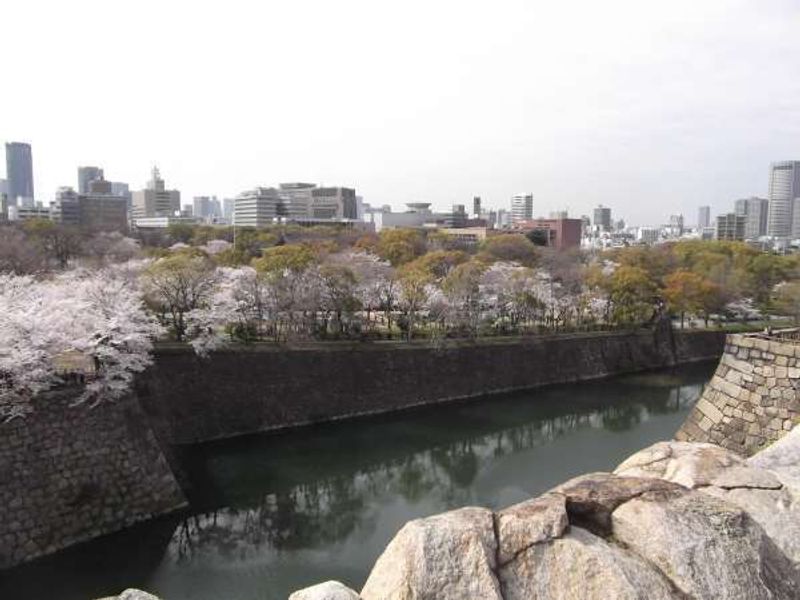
x=749 y=484
x=783 y=459
x=451 y=555
x=707 y=547
x=329 y=590
x=580 y=565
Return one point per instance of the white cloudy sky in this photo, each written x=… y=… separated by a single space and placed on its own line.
x=649 y=107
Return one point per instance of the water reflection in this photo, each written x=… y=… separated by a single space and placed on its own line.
x=274 y=513
x=311 y=504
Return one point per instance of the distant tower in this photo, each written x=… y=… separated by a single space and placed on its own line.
x=521 y=207
x=476 y=206
x=19 y=172
x=704 y=217
x=602 y=218
x=87 y=175
x=784 y=188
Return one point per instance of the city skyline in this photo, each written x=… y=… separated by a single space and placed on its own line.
x=629 y=106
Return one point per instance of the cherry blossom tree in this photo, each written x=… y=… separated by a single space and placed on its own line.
x=98 y=316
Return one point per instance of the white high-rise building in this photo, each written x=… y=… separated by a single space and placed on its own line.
x=784 y=188
x=521 y=207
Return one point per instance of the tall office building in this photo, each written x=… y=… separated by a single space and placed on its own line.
x=227 y=209
x=784 y=187
x=156 y=200
x=476 y=206
x=201 y=207
x=86 y=175
x=521 y=207
x=704 y=217
x=602 y=218
x=19 y=173
x=755 y=212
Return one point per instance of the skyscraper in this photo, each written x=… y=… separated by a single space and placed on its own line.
x=602 y=218
x=476 y=206
x=704 y=217
x=19 y=172
x=784 y=187
x=521 y=207
x=755 y=212
x=86 y=175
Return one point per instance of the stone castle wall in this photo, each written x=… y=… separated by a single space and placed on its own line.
x=72 y=473
x=260 y=388
x=752 y=400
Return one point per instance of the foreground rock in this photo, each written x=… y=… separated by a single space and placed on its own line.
x=750 y=485
x=677 y=520
x=330 y=590
x=132 y=594
x=451 y=555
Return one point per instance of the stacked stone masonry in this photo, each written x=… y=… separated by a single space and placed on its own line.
x=71 y=473
x=752 y=399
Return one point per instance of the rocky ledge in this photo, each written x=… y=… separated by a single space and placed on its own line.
x=676 y=520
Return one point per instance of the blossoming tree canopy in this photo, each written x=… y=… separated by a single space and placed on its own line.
x=98 y=315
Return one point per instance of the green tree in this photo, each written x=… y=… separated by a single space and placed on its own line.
x=176 y=285
x=59 y=243
x=509 y=248
x=632 y=296
x=400 y=246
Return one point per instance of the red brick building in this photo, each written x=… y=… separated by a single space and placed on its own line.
x=559 y=233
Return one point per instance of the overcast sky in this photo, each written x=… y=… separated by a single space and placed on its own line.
x=647 y=107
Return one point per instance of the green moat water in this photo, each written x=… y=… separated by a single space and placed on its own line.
x=274 y=513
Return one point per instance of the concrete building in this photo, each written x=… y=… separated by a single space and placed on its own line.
x=676 y=225
x=259 y=207
x=755 y=212
x=521 y=207
x=602 y=218
x=201 y=207
x=467 y=236
x=703 y=217
x=557 y=233
x=96 y=210
x=784 y=187
x=647 y=235
x=155 y=200
x=122 y=190
x=19 y=173
x=86 y=175
x=298 y=199
x=333 y=203
x=730 y=227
